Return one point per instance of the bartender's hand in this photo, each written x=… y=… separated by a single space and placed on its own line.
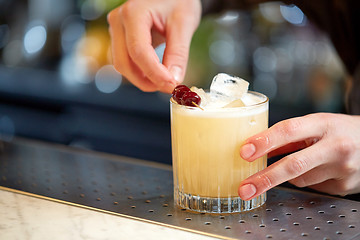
x=138 y=26
x=328 y=159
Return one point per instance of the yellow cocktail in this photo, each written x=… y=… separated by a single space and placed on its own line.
x=206 y=162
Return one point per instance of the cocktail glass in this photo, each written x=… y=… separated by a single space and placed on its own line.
x=207 y=166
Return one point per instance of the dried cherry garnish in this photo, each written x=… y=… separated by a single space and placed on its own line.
x=178 y=92
x=191 y=99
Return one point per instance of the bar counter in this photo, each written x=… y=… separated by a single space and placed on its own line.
x=60 y=192
x=27 y=217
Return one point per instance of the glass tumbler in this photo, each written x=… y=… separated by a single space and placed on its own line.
x=207 y=166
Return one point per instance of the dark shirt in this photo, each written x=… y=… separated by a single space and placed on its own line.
x=339 y=18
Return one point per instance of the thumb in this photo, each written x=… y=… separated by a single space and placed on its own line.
x=178 y=39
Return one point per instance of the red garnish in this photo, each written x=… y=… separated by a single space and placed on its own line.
x=189 y=98
x=184 y=96
x=178 y=92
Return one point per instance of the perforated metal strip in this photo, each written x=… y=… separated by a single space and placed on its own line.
x=143 y=190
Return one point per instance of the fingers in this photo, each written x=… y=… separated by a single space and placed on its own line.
x=338 y=187
x=291 y=147
x=281 y=134
x=133 y=54
x=290 y=167
x=314 y=177
x=137 y=25
x=179 y=33
x=145 y=24
x=328 y=163
x=121 y=60
x=330 y=186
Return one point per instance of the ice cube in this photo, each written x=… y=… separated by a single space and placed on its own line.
x=202 y=94
x=235 y=103
x=224 y=85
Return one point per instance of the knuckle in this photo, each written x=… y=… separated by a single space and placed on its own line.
x=179 y=53
x=288 y=128
x=126 y=10
x=344 y=146
x=135 y=51
x=330 y=121
x=299 y=182
x=348 y=168
x=151 y=74
x=265 y=181
x=112 y=15
x=193 y=18
x=327 y=117
x=323 y=116
x=296 y=165
x=343 y=188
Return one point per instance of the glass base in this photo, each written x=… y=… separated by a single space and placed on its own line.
x=217 y=205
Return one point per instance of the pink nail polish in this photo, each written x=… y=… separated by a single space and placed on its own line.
x=247 y=151
x=247 y=191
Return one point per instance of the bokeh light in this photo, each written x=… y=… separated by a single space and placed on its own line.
x=74 y=69
x=35 y=39
x=107 y=79
x=293 y=14
x=271 y=12
x=72 y=29
x=265 y=59
x=229 y=17
x=222 y=52
x=92 y=9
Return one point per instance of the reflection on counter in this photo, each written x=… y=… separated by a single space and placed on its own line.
x=57 y=82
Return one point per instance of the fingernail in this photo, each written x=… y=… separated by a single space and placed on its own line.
x=247 y=191
x=176 y=72
x=247 y=150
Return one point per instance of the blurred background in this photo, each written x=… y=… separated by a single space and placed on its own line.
x=57 y=83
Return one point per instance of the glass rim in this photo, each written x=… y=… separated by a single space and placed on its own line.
x=266 y=100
